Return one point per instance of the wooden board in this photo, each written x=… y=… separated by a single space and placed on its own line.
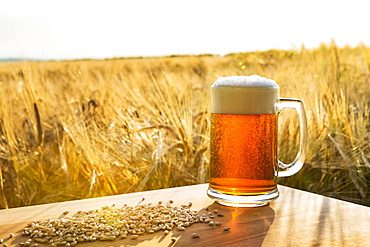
x=296 y=218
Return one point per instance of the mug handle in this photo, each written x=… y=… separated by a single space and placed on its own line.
x=287 y=170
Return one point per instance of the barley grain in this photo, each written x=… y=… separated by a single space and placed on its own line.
x=207 y=220
x=110 y=222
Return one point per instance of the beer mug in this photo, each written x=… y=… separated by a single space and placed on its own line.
x=244 y=164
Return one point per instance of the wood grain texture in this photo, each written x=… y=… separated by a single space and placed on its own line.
x=297 y=218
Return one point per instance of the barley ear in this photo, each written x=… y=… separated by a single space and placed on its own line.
x=39 y=126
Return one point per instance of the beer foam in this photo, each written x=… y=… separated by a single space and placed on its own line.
x=245 y=81
x=244 y=95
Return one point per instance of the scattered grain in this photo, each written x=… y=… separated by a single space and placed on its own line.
x=27 y=244
x=110 y=222
x=207 y=220
x=195 y=235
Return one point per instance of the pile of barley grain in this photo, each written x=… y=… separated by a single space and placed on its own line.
x=111 y=222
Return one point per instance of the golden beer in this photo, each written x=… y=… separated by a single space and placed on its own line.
x=243 y=153
x=244 y=130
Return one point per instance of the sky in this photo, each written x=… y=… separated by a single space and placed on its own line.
x=80 y=29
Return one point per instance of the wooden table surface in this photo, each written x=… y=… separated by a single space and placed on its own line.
x=296 y=218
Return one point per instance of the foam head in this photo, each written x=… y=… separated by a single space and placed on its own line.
x=244 y=95
x=245 y=81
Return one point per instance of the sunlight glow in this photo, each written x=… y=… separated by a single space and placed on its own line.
x=42 y=29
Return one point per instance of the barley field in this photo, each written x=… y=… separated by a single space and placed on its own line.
x=89 y=128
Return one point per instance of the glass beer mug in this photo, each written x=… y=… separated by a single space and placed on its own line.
x=244 y=164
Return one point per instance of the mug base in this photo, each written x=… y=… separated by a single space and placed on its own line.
x=243 y=201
